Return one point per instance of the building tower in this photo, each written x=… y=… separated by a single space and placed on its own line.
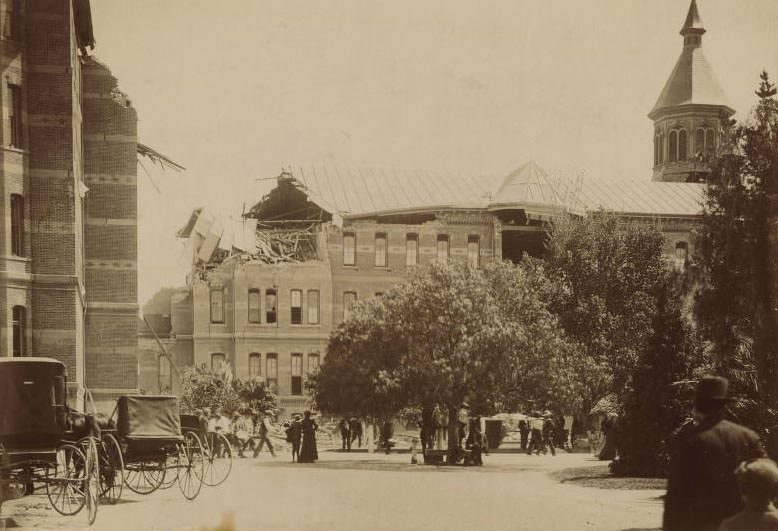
x=690 y=112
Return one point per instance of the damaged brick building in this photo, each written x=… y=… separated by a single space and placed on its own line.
x=69 y=222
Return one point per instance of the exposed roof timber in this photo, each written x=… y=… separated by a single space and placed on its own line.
x=158 y=158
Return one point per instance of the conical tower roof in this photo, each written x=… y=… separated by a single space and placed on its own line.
x=692 y=81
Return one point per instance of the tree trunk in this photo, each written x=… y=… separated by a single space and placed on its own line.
x=453 y=435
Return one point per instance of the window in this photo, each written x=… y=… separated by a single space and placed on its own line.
x=380 y=250
x=673 y=148
x=17 y=225
x=313 y=363
x=296 y=306
x=297 y=374
x=657 y=140
x=313 y=306
x=217 y=362
x=15 y=114
x=12 y=28
x=661 y=148
x=271 y=300
x=473 y=251
x=710 y=145
x=19 y=315
x=682 y=145
x=699 y=141
x=349 y=248
x=271 y=370
x=217 y=305
x=411 y=249
x=165 y=381
x=349 y=298
x=255 y=365
x=254 y=306
x=443 y=248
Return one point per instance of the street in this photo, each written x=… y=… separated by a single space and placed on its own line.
x=375 y=491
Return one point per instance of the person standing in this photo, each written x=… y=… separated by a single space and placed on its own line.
x=264 y=429
x=308 y=426
x=345 y=434
x=549 y=430
x=355 y=427
x=295 y=436
x=702 y=490
x=536 y=435
x=524 y=432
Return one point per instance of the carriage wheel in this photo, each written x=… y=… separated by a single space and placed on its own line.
x=65 y=480
x=111 y=469
x=171 y=472
x=144 y=477
x=190 y=466
x=218 y=462
x=92 y=487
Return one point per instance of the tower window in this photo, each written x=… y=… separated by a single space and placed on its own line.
x=673 y=147
x=699 y=141
x=657 y=139
x=682 y=149
x=19 y=315
x=710 y=145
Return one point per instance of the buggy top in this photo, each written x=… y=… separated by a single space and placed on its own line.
x=33 y=401
x=148 y=417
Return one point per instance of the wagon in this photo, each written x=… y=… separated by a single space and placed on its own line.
x=43 y=444
x=217 y=457
x=148 y=431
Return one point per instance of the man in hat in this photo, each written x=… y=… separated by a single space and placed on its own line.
x=702 y=490
x=549 y=429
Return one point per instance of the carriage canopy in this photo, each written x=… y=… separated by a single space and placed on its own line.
x=148 y=417
x=32 y=401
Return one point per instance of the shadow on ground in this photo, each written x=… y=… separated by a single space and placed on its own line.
x=379 y=464
x=601 y=478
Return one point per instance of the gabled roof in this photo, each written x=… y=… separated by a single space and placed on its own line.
x=359 y=193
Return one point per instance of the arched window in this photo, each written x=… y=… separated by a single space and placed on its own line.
x=673 y=147
x=710 y=145
x=17 y=225
x=661 y=148
x=657 y=140
x=682 y=149
x=19 y=315
x=699 y=141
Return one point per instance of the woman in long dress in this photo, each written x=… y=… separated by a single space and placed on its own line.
x=308 y=453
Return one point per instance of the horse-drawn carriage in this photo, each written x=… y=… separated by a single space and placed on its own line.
x=43 y=444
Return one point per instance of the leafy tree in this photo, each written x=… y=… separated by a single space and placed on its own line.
x=256 y=396
x=610 y=270
x=736 y=254
x=202 y=387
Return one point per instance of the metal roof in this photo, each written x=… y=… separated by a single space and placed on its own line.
x=355 y=193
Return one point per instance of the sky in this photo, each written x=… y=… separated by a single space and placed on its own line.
x=235 y=90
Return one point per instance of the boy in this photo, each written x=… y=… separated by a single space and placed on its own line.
x=757 y=480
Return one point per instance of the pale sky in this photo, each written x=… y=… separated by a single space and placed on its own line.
x=236 y=89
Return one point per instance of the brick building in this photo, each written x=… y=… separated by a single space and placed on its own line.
x=68 y=224
x=325 y=237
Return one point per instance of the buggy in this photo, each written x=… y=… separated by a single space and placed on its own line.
x=43 y=444
x=148 y=432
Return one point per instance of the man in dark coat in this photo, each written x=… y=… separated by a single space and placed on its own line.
x=345 y=434
x=702 y=490
x=524 y=432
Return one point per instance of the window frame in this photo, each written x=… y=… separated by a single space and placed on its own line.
x=673 y=146
x=215 y=356
x=271 y=377
x=476 y=239
x=312 y=356
x=271 y=315
x=296 y=318
x=316 y=307
x=214 y=316
x=257 y=293
x=441 y=238
x=18 y=331
x=16 y=136
x=412 y=237
x=683 y=145
x=350 y=259
x=17 y=225
x=251 y=373
x=347 y=307
x=296 y=380
x=381 y=259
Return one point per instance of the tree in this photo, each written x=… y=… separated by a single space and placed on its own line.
x=610 y=270
x=202 y=387
x=737 y=257
x=660 y=393
x=449 y=334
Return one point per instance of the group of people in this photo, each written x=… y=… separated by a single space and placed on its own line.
x=301 y=433
x=244 y=430
x=539 y=433
x=350 y=431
